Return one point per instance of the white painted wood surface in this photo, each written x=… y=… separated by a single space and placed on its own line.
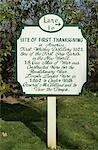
x=51 y=122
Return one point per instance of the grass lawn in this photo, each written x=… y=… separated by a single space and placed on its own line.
x=23 y=125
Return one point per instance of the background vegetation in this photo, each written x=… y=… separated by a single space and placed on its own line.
x=23 y=124
x=14 y=13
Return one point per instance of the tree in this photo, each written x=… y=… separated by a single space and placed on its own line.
x=14 y=13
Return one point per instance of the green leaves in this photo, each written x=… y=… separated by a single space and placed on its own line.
x=12 y=15
x=4 y=87
x=91 y=66
x=5 y=11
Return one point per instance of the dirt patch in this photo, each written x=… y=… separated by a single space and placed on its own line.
x=9 y=100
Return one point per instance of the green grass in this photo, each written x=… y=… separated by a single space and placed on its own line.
x=25 y=124
x=78 y=123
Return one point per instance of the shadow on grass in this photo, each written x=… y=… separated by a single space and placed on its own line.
x=62 y=139
x=28 y=115
x=65 y=141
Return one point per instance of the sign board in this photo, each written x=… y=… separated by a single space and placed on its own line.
x=51 y=58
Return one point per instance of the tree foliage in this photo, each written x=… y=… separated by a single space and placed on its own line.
x=14 y=13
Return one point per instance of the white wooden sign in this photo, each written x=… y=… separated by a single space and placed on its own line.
x=51 y=58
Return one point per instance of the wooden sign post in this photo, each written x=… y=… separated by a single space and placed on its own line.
x=51 y=60
x=51 y=122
